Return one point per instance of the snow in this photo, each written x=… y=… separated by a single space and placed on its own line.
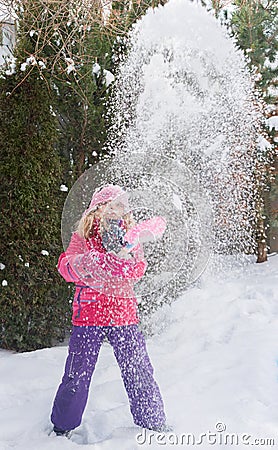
x=263 y=143
x=42 y=65
x=215 y=361
x=177 y=202
x=184 y=93
x=23 y=67
x=272 y=64
x=71 y=66
x=31 y=61
x=109 y=77
x=96 y=69
x=11 y=64
x=272 y=122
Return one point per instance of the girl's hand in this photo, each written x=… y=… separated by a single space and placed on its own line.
x=139 y=253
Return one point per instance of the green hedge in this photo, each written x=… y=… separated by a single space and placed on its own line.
x=34 y=306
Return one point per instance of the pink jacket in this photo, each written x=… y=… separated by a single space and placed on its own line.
x=104 y=294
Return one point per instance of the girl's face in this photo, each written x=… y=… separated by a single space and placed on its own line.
x=111 y=210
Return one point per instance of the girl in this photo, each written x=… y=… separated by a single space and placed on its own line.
x=105 y=306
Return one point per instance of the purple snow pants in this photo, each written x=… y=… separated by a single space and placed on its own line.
x=146 y=404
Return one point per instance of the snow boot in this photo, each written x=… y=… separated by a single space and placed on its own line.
x=59 y=432
x=165 y=428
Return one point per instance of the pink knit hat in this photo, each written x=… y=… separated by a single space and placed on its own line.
x=105 y=194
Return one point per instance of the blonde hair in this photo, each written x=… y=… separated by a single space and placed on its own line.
x=85 y=226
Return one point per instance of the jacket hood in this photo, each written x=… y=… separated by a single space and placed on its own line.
x=105 y=194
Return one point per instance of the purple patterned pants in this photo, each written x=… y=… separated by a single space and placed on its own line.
x=146 y=404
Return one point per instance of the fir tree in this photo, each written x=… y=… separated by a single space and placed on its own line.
x=81 y=98
x=33 y=308
x=255 y=25
x=84 y=92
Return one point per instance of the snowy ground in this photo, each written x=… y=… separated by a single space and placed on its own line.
x=215 y=362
